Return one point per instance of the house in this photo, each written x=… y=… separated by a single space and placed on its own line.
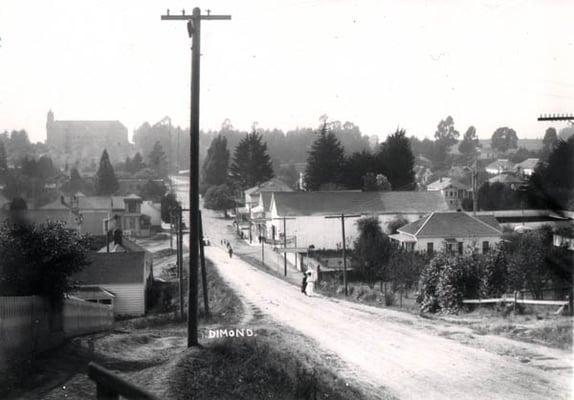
x=121 y=278
x=499 y=166
x=453 y=232
x=527 y=166
x=90 y=213
x=153 y=211
x=301 y=215
x=272 y=185
x=453 y=191
x=507 y=179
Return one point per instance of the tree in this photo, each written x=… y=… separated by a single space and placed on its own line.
x=40 y=259
x=251 y=163
x=106 y=181
x=153 y=190
x=445 y=133
x=375 y=183
x=395 y=224
x=216 y=162
x=397 y=161
x=219 y=198
x=76 y=183
x=548 y=143
x=356 y=167
x=498 y=196
x=169 y=204
x=551 y=185
x=137 y=163
x=3 y=162
x=157 y=160
x=469 y=144
x=325 y=161
x=504 y=139
x=372 y=249
x=289 y=175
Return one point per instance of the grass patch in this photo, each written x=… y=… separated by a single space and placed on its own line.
x=250 y=368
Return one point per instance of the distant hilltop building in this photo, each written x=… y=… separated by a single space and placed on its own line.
x=82 y=142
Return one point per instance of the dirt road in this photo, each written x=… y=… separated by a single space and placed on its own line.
x=394 y=350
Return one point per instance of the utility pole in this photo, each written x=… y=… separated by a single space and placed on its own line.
x=342 y=217
x=179 y=222
x=203 y=270
x=194 y=31
x=474 y=188
x=284 y=243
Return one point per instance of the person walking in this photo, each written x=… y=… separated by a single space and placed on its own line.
x=310 y=288
x=304 y=284
x=229 y=250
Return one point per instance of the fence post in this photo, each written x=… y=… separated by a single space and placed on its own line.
x=571 y=301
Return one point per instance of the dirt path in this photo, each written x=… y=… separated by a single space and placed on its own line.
x=401 y=352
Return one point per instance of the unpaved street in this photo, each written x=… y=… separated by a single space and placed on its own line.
x=386 y=348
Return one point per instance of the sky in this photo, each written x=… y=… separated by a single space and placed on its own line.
x=379 y=64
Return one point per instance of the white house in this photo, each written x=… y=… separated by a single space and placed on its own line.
x=527 y=166
x=499 y=166
x=124 y=276
x=453 y=232
x=301 y=215
x=453 y=191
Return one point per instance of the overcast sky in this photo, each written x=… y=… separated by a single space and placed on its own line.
x=380 y=64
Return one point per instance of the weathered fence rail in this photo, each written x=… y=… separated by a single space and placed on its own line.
x=110 y=386
x=517 y=298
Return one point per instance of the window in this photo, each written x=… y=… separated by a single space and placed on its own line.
x=460 y=247
x=106 y=301
x=132 y=208
x=485 y=247
x=449 y=248
x=132 y=223
x=430 y=247
x=410 y=246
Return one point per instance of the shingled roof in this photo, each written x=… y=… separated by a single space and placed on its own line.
x=93 y=203
x=351 y=202
x=453 y=224
x=272 y=185
x=113 y=268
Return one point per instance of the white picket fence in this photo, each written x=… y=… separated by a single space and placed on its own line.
x=28 y=324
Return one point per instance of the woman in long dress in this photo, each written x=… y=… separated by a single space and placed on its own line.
x=310 y=289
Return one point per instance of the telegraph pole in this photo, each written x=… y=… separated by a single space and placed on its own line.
x=342 y=217
x=284 y=243
x=194 y=31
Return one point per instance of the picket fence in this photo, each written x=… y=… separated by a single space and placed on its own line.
x=29 y=324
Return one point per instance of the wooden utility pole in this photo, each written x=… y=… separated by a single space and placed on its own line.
x=474 y=188
x=342 y=217
x=284 y=243
x=194 y=31
x=179 y=241
x=203 y=271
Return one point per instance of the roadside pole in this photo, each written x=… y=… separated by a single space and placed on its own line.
x=203 y=271
x=194 y=31
x=180 y=260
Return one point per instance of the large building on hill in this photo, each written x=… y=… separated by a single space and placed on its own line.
x=82 y=142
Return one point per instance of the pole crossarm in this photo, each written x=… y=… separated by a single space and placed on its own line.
x=556 y=117
x=344 y=216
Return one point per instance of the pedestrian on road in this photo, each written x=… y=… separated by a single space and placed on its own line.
x=304 y=284
x=229 y=250
x=310 y=288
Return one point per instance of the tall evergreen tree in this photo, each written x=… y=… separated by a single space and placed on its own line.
x=397 y=161
x=548 y=143
x=76 y=183
x=3 y=162
x=157 y=160
x=325 y=162
x=106 y=181
x=216 y=163
x=137 y=163
x=251 y=163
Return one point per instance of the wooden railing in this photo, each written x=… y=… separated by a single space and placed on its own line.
x=109 y=386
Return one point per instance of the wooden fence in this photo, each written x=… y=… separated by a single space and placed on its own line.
x=29 y=324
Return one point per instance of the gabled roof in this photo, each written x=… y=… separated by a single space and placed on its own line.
x=529 y=163
x=444 y=183
x=502 y=164
x=272 y=185
x=505 y=178
x=350 y=202
x=453 y=224
x=266 y=197
x=92 y=203
x=113 y=268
